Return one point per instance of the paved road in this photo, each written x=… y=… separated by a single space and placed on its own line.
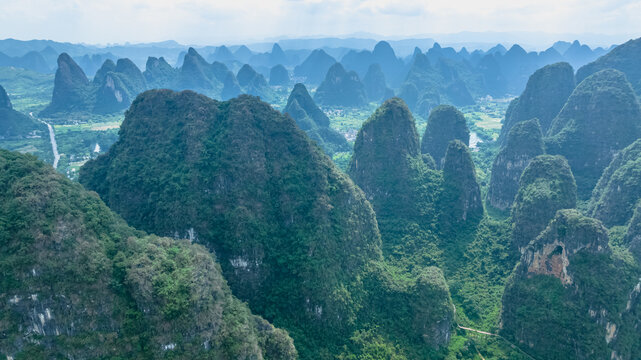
x=54 y=145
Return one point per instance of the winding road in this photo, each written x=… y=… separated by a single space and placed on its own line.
x=52 y=137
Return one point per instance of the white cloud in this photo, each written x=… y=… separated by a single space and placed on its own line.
x=228 y=21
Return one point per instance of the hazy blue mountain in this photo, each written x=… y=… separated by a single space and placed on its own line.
x=315 y=67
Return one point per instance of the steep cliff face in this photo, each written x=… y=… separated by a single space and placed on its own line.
x=387 y=157
x=601 y=117
x=5 y=103
x=79 y=283
x=445 y=123
x=312 y=120
x=567 y=234
x=570 y=281
x=117 y=86
x=524 y=143
x=388 y=166
x=619 y=189
x=546 y=186
x=71 y=91
x=107 y=67
x=633 y=235
x=546 y=92
x=460 y=201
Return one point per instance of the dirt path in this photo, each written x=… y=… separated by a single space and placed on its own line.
x=497 y=335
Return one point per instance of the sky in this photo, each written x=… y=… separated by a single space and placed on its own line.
x=214 y=22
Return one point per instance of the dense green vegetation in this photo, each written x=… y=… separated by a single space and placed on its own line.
x=387 y=162
x=309 y=118
x=624 y=58
x=571 y=296
x=619 y=189
x=546 y=185
x=601 y=117
x=524 y=142
x=409 y=198
x=546 y=92
x=385 y=267
x=461 y=205
x=78 y=282
x=633 y=235
x=295 y=237
x=341 y=88
x=445 y=123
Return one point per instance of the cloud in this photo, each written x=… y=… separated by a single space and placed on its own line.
x=212 y=22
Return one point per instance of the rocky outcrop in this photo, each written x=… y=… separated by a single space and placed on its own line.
x=445 y=123
x=461 y=201
x=107 y=67
x=311 y=119
x=563 y=285
x=568 y=233
x=117 y=86
x=601 y=117
x=546 y=92
x=524 y=143
x=341 y=88
x=619 y=189
x=546 y=186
